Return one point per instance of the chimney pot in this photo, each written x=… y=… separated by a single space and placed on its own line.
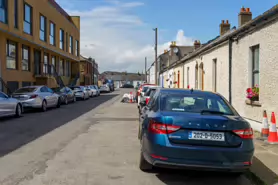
x=197 y=44
x=244 y=16
x=224 y=27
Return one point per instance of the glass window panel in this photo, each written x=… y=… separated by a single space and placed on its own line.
x=256 y=79
x=27 y=13
x=256 y=59
x=27 y=27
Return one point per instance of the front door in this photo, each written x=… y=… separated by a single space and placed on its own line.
x=37 y=61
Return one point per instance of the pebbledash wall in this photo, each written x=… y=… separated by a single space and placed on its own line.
x=266 y=39
x=208 y=69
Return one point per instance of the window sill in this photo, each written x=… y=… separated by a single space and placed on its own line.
x=12 y=69
x=253 y=103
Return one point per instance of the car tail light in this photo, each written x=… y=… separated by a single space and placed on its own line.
x=161 y=128
x=147 y=100
x=245 y=133
x=33 y=96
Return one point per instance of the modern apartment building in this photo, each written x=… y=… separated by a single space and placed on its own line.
x=39 y=44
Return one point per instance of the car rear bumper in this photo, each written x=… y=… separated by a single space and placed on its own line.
x=196 y=165
x=195 y=156
x=32 y=103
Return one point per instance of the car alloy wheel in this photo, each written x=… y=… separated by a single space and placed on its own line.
x=66 y=101
x=18 y=111
x=44 y=106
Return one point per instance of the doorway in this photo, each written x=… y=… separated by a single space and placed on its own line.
x=201 y=76
x=37 y=62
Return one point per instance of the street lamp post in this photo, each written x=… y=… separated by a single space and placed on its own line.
x=155 y=49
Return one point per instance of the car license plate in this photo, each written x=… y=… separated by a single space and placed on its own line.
x=209 y=136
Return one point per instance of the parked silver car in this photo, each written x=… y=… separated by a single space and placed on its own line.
x=92 y=90
x=98 y=91
x=81 y=92
x=105 y=88
x=40 y=97
x=9 y=106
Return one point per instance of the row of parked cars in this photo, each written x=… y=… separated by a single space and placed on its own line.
x=43 y=97
x=192 y=129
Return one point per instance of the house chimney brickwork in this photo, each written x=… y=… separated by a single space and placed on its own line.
x=224 y=27
x=197 y=44
x=244 y=16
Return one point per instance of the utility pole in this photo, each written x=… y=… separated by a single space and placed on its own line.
x=145 y=69
x=155 y=49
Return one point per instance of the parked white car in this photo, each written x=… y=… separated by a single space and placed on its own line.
x=92 y=90
x=9 y=106
x=105 y=88
x=40 y=97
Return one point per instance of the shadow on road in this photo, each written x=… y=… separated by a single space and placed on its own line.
x=15 y=133
x=180 y=177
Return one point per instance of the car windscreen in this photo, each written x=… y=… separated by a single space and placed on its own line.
x=149 y=91
x=26 y=90
x=145 y=88
x=210 y=104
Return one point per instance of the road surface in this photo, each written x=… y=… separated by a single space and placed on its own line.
x=87 y=143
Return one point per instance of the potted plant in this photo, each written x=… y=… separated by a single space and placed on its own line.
x=253 y=93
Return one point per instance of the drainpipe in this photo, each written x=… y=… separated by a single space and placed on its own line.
x=230 y=68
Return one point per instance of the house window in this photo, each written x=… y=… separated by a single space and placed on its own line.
x=214 y=75
x=62 y=39
x=45 y=63
x=67 y=68
x=27 y=25
x=71 y=45
x=11 y=53
x=67 y=43
x=61 y=67
x=25 y=58
x=255 y=66
x=77 y=48
x=52 y=34
x=4 y=11
x=15 y=13
x=43 y=28
x=53 y=64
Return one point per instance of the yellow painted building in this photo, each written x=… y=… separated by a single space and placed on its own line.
x=39 y=43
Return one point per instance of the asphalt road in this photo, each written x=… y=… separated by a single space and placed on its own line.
x=99 y=147
x=16 y=132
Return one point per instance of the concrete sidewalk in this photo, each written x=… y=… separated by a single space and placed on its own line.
x=265 y=162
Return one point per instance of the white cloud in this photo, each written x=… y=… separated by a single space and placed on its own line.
x=117 y=39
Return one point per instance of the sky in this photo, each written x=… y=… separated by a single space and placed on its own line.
x=119 y=34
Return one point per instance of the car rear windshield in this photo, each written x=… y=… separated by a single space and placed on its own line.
x=76 y=88
x=25 y=90
x=195 y=104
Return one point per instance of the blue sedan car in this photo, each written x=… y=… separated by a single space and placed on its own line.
x=196 y=130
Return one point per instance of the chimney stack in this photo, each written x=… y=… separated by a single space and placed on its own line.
x=197 y=44
x=224 y=27
x=244 y=16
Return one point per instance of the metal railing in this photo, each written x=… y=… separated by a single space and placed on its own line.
x=4 y=87
x=74 y=80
